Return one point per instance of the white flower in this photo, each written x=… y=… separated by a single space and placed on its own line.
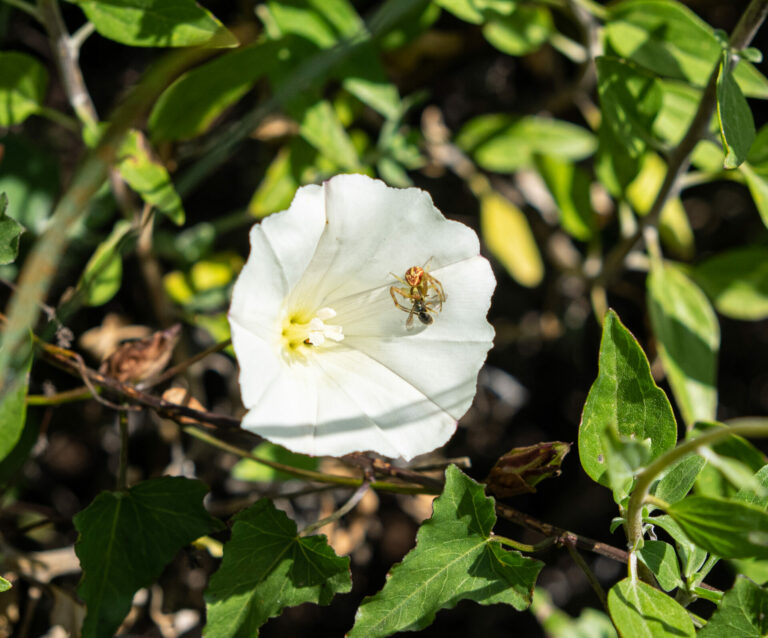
x=327 y=364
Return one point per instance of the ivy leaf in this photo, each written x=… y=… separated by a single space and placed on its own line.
x=722 y=527
x=156 y=23
x=455 y=558
x=689 y=339
x=23 y=81
x=624 y=396
x=743 y=612
x=737 y=127
x=125 y=539
x=267 y=566
x=637 y=609
x=10 y=231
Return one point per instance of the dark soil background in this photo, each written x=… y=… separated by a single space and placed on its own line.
x=533 y=388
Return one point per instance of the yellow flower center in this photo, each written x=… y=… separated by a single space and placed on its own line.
x=304 y=331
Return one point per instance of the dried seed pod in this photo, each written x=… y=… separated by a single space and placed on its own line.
x=520 y=469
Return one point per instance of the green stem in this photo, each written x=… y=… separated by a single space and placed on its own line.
x=524 y=547
x=309 y=475
x=596 y=586
x=60 y=118
x=342 y=511
x=69 y=396
x=645 y=479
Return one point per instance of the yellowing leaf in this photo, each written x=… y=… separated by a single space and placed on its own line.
x=508 y=236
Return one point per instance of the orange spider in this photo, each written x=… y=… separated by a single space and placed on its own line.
x=424 y=291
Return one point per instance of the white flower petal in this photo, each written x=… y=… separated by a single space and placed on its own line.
x=387 y=387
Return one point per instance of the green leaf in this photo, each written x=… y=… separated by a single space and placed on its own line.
x=689 y=339
x=148 y=177
x=758 y=188
x=30 y=178
x=570 y=188
x=321 y=128
x=248 y=470
x=192 y=103
x=508 y=236
x=631 y=98
x=504 y=143
x=679 y=479
x=743 y=612
x=103 y=273
x=614 y=167
x=669 y=39
x=638 y=610
x=4 y=584
x=463 y=9
x=661 y=559
x=156 y=23
x=623 y=396
x=23 y=81
x=266 y=567
x=10 y=231
x=722 y=527
x=692 y=557
x=125 y=539
x=737 y=127
x=737 y=282
x=13 y=410
x=521 y=32
x=455 y=558
x=759 y=498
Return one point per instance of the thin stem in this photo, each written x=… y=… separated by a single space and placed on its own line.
x=69 y=123
x=342 y=511
x=69 y=396
x=646 y=478
x=524 y=547
x=79 y=37
x=400 y=488
x=122 y=484
x=678 y=159
x=172 y=372
x=596 y=586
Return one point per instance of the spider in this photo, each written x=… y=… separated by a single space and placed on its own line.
x=424 y=291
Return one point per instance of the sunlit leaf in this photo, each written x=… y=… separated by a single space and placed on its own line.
x=504 y=143
x=13 y=410
x=455 y=559
x=661 y=559
x=156 y=23
x=125 y=539
x=737 y=127
x=249 y=470
x=689 y=339
x=722 y=527
x=321 y=128
x=145 y=174
x=103 y=273
x=758 y=188
x=743 y=612
x=631 y=98
x=521 y=32
x=624 y=396
x=266 y=567
x=23 y=81
x=508 y=236
x=570 y=188
x=637 y=609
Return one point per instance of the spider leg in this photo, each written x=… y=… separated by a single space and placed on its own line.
x=399 y=291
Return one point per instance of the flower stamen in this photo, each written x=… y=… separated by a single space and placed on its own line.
x=302 y=331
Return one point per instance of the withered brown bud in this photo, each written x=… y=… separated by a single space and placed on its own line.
x=520 y=469
x=136 y=361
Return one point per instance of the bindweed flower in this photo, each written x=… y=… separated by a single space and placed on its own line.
x=328 y=365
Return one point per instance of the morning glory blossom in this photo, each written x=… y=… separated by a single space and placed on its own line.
x=327 y=363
